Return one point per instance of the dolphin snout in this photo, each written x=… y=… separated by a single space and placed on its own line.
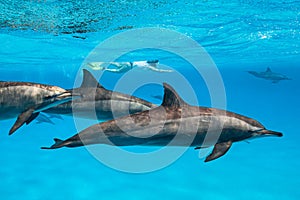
x=269 y=132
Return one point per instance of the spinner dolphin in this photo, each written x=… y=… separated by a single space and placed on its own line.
x=96 y=101
x=159 y=126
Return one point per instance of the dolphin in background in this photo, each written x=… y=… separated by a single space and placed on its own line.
x=95 y=99
x=269 y=75
x=42 y=118
x=54 y=116
x=159 y=97
x=46 y=118
x=160 y=125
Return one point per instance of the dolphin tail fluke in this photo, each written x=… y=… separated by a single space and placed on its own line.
x=25 y=117
x=219 y=150
x=58 y=144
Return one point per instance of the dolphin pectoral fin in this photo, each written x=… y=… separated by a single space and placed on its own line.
x=32 y=117
x=58 y=144
x=276 y=81
x=25 y=117
x=30 y=114
x=219 y=150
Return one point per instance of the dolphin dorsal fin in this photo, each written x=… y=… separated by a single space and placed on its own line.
x=89 y=80
x=268 y=69
x=171 y=98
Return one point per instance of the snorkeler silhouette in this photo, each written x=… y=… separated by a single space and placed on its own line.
x=121 y=67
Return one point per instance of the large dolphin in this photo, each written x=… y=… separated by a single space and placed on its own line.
x=269 y=75
x=96 y=101
x=26 y=100
x=174 y=116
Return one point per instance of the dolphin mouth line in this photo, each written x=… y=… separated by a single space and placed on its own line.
x=269 y=132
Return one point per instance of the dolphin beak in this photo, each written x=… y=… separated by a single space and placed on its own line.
x=268 y=132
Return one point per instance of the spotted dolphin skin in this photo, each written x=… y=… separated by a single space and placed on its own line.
x=26 y=100
x=96 y=101
x=159 y=126
x=269 y=75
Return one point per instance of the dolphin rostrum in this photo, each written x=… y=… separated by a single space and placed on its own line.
x=174 y=118
x=95 y=99
x=269 y=75
x=26 y=100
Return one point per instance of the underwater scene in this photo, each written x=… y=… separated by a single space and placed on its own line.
x=149 y=99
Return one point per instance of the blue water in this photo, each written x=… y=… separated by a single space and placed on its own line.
x=47 y=42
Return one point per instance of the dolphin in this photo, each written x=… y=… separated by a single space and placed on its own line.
x=42 y=118
x=95 y=99
x=269 y=75
x=177 y=120
x=25 y=100
x=56 y=116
